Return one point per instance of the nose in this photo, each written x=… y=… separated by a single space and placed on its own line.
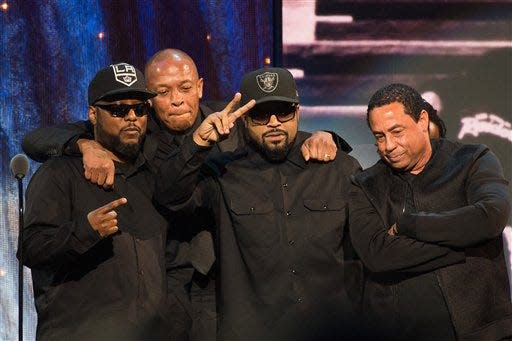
x=176 y=99
x=390 y=144
x=273 y=121
x=131 y=116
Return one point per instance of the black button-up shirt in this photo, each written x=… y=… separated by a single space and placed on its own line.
x=86 y=287
x=280 y=237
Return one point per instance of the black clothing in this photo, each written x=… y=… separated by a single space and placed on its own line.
x=185 y=252
x=420 y=303
x=280 y=236
x=450 y=218
x=87 y=287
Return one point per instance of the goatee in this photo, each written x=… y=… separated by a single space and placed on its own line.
x=274 y=154
x=125 y=151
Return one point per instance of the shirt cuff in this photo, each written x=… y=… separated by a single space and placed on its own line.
x=406 y=226
x=85 y=236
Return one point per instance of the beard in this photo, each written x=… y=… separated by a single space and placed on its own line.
x=274 y=153
x=124 y=151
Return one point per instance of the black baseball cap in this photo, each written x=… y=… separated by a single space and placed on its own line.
x=118 y=81
x=269 y=84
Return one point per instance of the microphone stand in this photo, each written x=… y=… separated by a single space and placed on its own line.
x=20 y=255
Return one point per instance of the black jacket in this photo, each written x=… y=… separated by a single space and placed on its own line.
x=189 y=246
x=87 y=287
x=280 y=236
x=463 y=204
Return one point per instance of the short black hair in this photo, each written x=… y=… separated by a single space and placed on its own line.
x=396 y=92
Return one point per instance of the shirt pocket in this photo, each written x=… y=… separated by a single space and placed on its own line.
x=325 y=219
x=254 y=224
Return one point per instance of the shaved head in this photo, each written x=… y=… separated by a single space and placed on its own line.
x=169 y=56
x=173 y=75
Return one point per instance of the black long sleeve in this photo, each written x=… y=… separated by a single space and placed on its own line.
x=51 y=232
x=42 y=143
x=179 y=176
x=482 y=219
x=381 y=252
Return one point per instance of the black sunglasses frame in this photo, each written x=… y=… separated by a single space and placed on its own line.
x=263 y=117
x=121 y=110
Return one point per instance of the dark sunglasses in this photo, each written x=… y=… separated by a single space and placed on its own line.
x=121 y=110
x=261 y=115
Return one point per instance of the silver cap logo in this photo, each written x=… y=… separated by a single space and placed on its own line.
x=267 y=81
x=125 y=73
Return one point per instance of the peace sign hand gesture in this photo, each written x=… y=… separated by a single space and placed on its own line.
x=218 y=125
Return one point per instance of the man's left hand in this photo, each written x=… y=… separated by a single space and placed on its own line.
x=319 y=146
x=393 y=230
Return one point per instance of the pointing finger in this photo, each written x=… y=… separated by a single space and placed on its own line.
x=112 y=205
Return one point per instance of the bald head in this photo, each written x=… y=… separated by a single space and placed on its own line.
x=173 y=75
x=169 y=56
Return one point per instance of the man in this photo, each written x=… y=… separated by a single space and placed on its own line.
x=97 y=255
x=280 y=219
x=177 y=111
x=426 y=220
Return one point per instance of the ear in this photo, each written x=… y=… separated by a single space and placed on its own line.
x=91 y=112
x=200 y=88
x=423 y=121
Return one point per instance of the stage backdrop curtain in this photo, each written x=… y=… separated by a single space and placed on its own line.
x=52 y=49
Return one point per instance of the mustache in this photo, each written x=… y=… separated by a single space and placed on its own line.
x=177 y=112
x=131 y=127
x=273 y=132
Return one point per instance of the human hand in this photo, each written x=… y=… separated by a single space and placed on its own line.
x=218 y=125
x=319 y=146
x=393 y=230
x=104 y=220
x=98 y=165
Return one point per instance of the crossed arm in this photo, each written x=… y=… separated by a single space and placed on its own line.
x=382 y=252
x=482 y=219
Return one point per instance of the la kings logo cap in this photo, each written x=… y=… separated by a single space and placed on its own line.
x=118 y=81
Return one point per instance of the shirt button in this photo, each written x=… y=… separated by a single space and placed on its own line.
x=299 y=300
x=325 y=206
x=291 y=242
x=252 y=209
x=285 y=185
x=293 y=271
x=288 y=213
x=141 y=272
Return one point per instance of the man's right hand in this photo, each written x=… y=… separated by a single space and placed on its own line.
x=104 y=219
x=98 y=164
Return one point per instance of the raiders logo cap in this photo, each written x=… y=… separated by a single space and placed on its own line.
x=269 y=84
x=118 y=81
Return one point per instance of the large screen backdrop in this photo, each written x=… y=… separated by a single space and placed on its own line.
x=50 y=50
x=458 y=54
